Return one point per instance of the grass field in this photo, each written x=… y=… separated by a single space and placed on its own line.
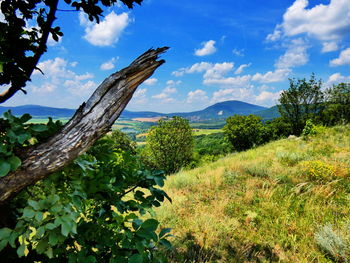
x=287 y=201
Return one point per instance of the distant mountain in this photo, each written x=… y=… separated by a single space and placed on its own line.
x=222 y=110
x=218 y=111
x=39 y=111
x=269 y=114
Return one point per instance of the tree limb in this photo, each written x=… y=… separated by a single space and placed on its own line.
x=91 y=121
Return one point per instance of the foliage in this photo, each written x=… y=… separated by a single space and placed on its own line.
x=15 y=133
x=337 y=104
x=278 y=128
x=303 y=100
x=319 y=170
x=169 y=145
x=91 y=211
x=310 y=129
x=244 y=132
x=24 y=33
x=335 y=244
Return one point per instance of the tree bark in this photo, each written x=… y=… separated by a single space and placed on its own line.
x=91 y=121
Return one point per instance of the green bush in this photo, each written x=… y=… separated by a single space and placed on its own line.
x=91 y=211
x=169 y=145
x=244 y=132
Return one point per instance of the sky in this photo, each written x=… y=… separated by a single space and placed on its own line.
x=219 y=50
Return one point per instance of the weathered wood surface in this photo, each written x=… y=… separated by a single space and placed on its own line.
x=91 y=121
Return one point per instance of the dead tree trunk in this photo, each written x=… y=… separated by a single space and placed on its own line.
x=92 y=120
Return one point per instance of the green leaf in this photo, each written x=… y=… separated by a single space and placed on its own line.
x=40 y=232
x=34 y=204
x=5 y=168
x=136 y=258
x=21 y=250
x=65 y=228
x=159 y=181
x=51 y=226
x=25 y=117
x=5 y=233
x=42 y=246
x=3 y=244
x=28 y=212
x=53 y=238
x=49 y=253
x=166 y=243
x=21 y=138
x=15 y=162
x=164 y=231
x=150 y=224
x=39 y=128
x=39 y=216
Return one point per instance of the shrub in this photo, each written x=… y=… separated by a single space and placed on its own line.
x=290 y=159
x=244 y=132
x=169 y=145
x=318 y=170
x=334 y=244
x=88 y=212
x=311 y=129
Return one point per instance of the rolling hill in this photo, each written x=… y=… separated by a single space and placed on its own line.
x=218 y=111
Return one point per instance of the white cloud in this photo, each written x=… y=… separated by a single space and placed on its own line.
x=44 y=88
x=170 y=90
x=240 y=69
x=56 y=71
x=197 y=96
x=239 y=81
x=207 y=49
x=231 y=94
x=108 y=31
x=51 y=42
x=268 y=97
x=337 y=78
x=217 y=70
x=78 y=88
x=329 y=46
x=140 y=97
x=73 y=64
x=238 y=52
x=294 y=56
x=108 y=65
x=165 y=95
x=327 y=23
x=150 y=82
x=343 y=59
x=272 y=76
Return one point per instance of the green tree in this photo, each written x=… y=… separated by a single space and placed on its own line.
x=302 y=101
x=337 y=109
x=169 y=145
x=244 y=132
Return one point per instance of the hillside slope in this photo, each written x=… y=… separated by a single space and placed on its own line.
x=265 y=204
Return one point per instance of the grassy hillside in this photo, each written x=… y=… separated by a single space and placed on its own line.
x=266 y=204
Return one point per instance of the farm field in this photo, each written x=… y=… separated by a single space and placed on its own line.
x=286 y=201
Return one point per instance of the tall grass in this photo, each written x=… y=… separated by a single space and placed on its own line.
x=263 y=205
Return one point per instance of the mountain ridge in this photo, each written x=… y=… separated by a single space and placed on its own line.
x=217 y=111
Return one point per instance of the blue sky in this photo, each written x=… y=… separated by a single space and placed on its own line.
x=220 y=50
